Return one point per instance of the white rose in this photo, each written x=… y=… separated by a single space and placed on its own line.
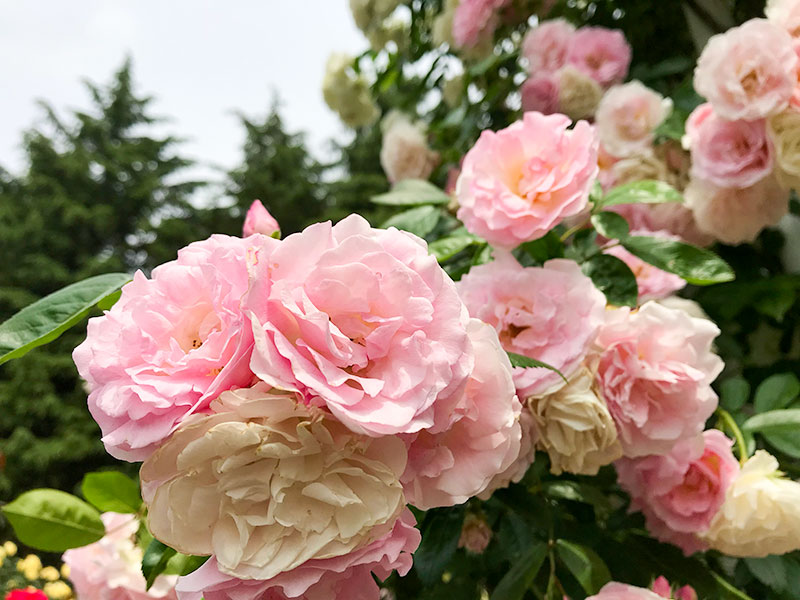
x=369 y=14
x=761 y=512
x=347 y=93
x=266 y=484
x=578 y=94
x=575 y=428
x=405 y=153
x=784 y=131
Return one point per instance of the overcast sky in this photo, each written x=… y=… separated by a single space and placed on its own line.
x=200 y=59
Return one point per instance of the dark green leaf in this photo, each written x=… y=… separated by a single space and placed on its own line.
x=584 y=563
x=610 y=225
x=155 y=560
x=419 y=221
x=729 y=591
x=46 y=319
x=543 y=249
x=448 y=247
x=780 y=421
x=776 y=391
x=578 y=492
x=522 y=573
x=648 y=191
x=111 y=491
x=614 y=278
x=412 y=191
x=54 y=521
x=517 y=360
x=779 y=573
x=734 y=393
x=696 y=265
x=776 y=303
x=441 y=530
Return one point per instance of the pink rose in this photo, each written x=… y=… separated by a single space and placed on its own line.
x=112 y=567
x=748 y=72
x=623 y=591
x=733 y=215
x=475 y=20
x=670 y=217
x=784 y=14
x=361 y=320
x=602 y=54
x=550 y=313
x=349 y=576
x=258 y=220
x=448 y=468
x=653 y=283
x=655 y=372
x=546 y=46
x=728 y=153
x=169 y=346
x=662 y=588
x=527 y=451
x=627 y=118
x=540 y=93
x=680 y=492
x=518 y=183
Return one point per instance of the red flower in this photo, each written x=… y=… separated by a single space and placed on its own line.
x=29 y=594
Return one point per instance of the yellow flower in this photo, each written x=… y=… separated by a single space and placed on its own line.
x=65 y=571
x=10 y=548
x=57 y=590
x=30 y=567
x=49 y=574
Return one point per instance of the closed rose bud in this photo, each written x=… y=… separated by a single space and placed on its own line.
x=258 y=220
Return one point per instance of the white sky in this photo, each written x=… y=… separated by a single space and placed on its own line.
x=200 y=59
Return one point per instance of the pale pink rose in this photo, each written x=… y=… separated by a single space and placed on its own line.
x=653 y=283
x=728 y=153
x=546 y=46
x=623 y=591
x=169 y=346
x=450 y=467
x=343 y=577
x=603 y=54
x=527 y=451
x=670 y=217
x=733 y=215
x=680 y=492
x=363 y=321
x=112 y=567
x=518 y=183
x=785 y=14
x=550 y=313
x=627 y=118
x=404 y=149
x=475 y=20
x=475 y=534
x=540 y=93
x=748 y=72
x=662 y=587
x=258 y=220
x=655 y=373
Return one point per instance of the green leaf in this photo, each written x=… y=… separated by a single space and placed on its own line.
x=54 y=521
x=448 y=247
x=521 y=575
x=111 y=491
x=441 y=530
x=576 y=491
x=779 y=573
x=776 y=391
x=780 y=421
x=584 y=563
x=420 y=220
x=411 y=192
x=517 y=360
x=611 y=225
x=155 y=560
x=183 y=564
x=728 y=589
x=734 y=393
x=614 y=278
x=696 y=265
x=544 y=248
x=46 y=319
x=648 y=191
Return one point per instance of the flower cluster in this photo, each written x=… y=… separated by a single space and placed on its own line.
x=26 y=578
x=289 y=397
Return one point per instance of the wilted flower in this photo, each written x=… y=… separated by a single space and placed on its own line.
x=578 y=94
x=475 y=534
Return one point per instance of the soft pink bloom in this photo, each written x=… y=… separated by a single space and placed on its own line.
x=363 y=321
x=258 y=220
x=550 y=313
x=546 y=46
x=448 y=468
x=475 y=20
x=112 y=567
x=680 y=492
x=733 y=215
x=655 y=372
x=540 y=93
x=169 y=346
x=603 y=54
x=662 y=587
x=627 y=118
x=623 y=591
x=785 y=14
x=518 y=183
x=748 y=72
x=728 y=153
x=343 y=577
x=653 y=283
x=670 y=217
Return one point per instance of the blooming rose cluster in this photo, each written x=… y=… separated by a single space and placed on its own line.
x=290 y=397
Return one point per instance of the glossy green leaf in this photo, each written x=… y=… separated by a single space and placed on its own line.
x=610 y=225
x=183 y=564
x=648 y=191
x=517 y=360
x=419 y=221
x=155 y=560
x=734 y=393
x=776 y=392
x=54 y=521
x=584 y=563
x=696 y=265
x=410 y=192
x=614 y=278
x=522 y=573
x=448 y=247
x=111 y=491
x=781 y=421
x=46 y=319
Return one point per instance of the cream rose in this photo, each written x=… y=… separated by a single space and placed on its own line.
x=348 y=93
x=578 y=94
x=761 y=512
x=784 y=130
x=266 y=484
x=575 y=428
x=405 y=153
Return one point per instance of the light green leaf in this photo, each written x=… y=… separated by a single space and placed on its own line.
x=111 y=491
x=696 y=265
x=46 y=319
x=521 y=575
x=420 y=220
x=448 y=247
x=584 y=563
x=648 y=191
x=54 y=521
x=517 y=360
x=776 y=391
x=614 y=278
x=610 y=225
x=410 y=192
x=780 y=421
